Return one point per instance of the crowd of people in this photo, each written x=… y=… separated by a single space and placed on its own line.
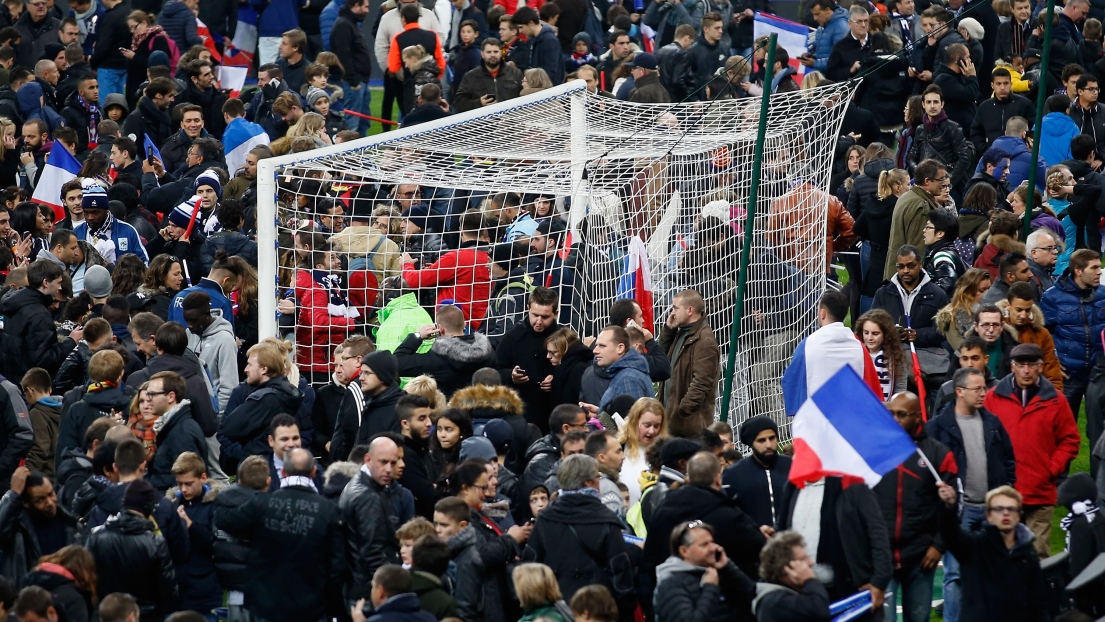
x=435 y=433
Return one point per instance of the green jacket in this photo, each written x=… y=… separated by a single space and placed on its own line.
x=907 y=226
x=432 y=595
x=548 y=611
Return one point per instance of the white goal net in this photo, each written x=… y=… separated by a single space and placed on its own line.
x=567 y=183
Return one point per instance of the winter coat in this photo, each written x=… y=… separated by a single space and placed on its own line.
x=960 y=95
x=296 y=553
x=404 y=607
x=1044 y=435
x=147 y=119
x=318 y=331
x=233 y=242
x=30 y=337
x=946 y=144
x=73 y=471
x=779 y=603
x=1036 y=333
x=758 y=489
x=1076 y=319
x=681 y=595
x=179 y=23
x=482 y=554
x=1091 y=121
x=995 y=249
x=541 y=459
x=990 y=119
x=522 y=347
x=865 y=188
x=626 y=376
x=73 y=603
x=420 y=475
x=132 y=557
x=907 y=225
x=1001 y=466
x=827 y=36
x=648 y=90
x=484 y=403
x=177 y=432
x=908 y=499
x=19 y=538
x=675 y=70
x=998 y=583
x=199 y=586
x=506 y=84
x=195 y=380
x=45 y=417
x=1055 y=134
x=690 y=393
x=735 y=531
x=77 y=418
x=366 y=512
x=568 y=375
x=462 y=277
x=379 y=414
x=943 y=265
x=34 y=37
x=928 y=299
x=705 y=59
x=248 y=424
x=451 y=360
x=794 y=233
x=1020 y=162
x=230 y=555
x=544 y=52
x=78 y=117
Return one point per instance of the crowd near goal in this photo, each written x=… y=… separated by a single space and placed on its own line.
x=675 y=176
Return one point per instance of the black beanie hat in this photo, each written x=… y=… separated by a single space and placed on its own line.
x=751 y=429
x=384 y=365
x=141 y=497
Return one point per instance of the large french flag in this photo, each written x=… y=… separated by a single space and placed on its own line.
x=792 y=36
x=209 y=37
x=636 y=283
x=844 y=430
x=241 y=136
x=239 y=51
x=61 y=167
x=819 y=357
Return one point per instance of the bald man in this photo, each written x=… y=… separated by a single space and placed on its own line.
x=367 y=512
x=909 y=502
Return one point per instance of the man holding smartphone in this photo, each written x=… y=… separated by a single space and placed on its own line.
x=493 y=81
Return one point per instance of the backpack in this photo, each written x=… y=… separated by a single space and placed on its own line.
x=174 y=51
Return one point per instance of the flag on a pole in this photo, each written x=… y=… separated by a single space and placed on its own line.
x=208 y=37
x=232 y=79
x=844 y=430
x=241 y=136
x=918 y=377
x=636 y=282
x=792 y=36
x=240 y=51
x=148 y=149
x=819 y=357
x=61 y=167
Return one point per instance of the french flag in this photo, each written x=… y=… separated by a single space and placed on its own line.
x=210 y=37
x=844 y=430
x=241 y=136
x=636 y=283
x=819 y=357
x=61 y=167
x=239 y=51
x=792 y=36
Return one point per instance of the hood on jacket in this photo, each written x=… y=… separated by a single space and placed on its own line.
x=164 y=421
x=501 y=398
x=1057 y=124
x=544 y=445
x=340 y=472
x=29 y=97
x=127 y=523
x=577 y=352
x=209 y=495
x=875 y=167
x=579 y=509
x=1037 y=317
x=1007 y=244
x=632 y=360
x=220 y=325
x=1012 y=146
x=763 y=589
x=279 y=385
x=673 y=565
x=22 y=298
x=174 y=9
x=116 y=99
x=464 y=350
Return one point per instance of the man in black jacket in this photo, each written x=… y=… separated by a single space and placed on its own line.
x=420 y=472
x=523 y=362
x=30 y=337
x=699 y=581
x=453 y=357
x=244 y=431
x=379 y=380
x=30 y=524
x=702 y=498
x=367 y=515
x=201 y=92
x=908 y=500
x=675 y=72
x=297 y=552
x=852 y=51
x=347 y=41
x=941 y=139
x=856 y=544
x=112 y=35
x=173 y=355
x=759 y=481
x=1087 y=113
x=912 y=293
x=103 y=398
x=151 y=114
x=493 y=81
x=79 y=114
x=1000 y=571
x=706 y=54
x=177 y=432
x=956 y=78
x=283 y=437
x=580 y=539
x=992 y=114
x=174 y=151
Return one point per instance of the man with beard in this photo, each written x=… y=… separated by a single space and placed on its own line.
x=82 y=112
x=912 y=300
x=151 y=115
x=36 y=146
x=413 y=412
x=491 y=82
x=758 y=482
x=201 y=91
x=174 y=151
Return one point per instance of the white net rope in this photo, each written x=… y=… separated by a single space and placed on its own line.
x=675 y=176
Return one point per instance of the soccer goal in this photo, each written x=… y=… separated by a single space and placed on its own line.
x=650 y=197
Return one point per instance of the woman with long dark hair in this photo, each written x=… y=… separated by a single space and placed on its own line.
x=27 y=220
x=450 y=429
x=164 y=279
x=70 y=576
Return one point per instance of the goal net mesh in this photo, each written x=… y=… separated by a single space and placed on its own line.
x=675 y=177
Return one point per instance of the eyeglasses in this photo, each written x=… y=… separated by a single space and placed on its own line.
x=989 y=325
x=1047 y=249
x=1026 y=364
x=1091 y=89
x=1005 y=509
x=972 y=389
x=929 y=227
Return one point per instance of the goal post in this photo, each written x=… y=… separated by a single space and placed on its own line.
x=675 y=177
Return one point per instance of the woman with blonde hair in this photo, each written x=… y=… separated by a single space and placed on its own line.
x=1042 y=214
x=647 y=421
x=426 y=386
x=954 y=320
x=539 y=594
x=873 y=227
x=142 y=420
x=312 y=125
x=69 y=574
x=9 y=152
x=570 y=359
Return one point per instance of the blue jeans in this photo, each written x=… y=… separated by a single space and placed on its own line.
x=972 y=520
x=357 y=100
x=913 y=588
x=111 y=81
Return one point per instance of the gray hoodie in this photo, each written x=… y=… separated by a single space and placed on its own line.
x=217 y=348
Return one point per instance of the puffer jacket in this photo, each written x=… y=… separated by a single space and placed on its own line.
x=248 y=425
x=30 y=337
x=484 y=403
x=132 y=557
x=235 y=243
x=1038 y=334
x=827 y=36
x=1076 y=319
x=1044 y=435
x=1055 y=134
x=230 y=555
x=177 y=432
x=1020 y=162
x=366 y=512
x=944 y=143
x=450 y=360
x=866 y=187
x=179 y=23
x=682 y=596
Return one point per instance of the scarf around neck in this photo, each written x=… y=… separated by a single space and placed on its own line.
x=931 y=123
x=137 y=39
x=332 y=283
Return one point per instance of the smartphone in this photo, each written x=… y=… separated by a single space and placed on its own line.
x=522 y=371
x=717 y=555
x=149 y=153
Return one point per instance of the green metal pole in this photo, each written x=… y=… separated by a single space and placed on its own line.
x=1041 y=97
x=749 y=220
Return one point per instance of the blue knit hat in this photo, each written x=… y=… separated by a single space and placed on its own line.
x=209 y=178
x=94 y=197
x=182 y=214
x=158 y=58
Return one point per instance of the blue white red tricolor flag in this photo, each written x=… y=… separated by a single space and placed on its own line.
x=239 y=51
x=241 y=136
x=792 y=36
x=636 y=282
x=844 y=430
x=819 y=357
x=61 y=167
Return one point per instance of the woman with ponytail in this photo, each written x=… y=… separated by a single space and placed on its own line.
x=873 y=227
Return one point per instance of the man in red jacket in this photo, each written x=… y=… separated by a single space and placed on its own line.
x=1045 y=437
x=462 y=276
